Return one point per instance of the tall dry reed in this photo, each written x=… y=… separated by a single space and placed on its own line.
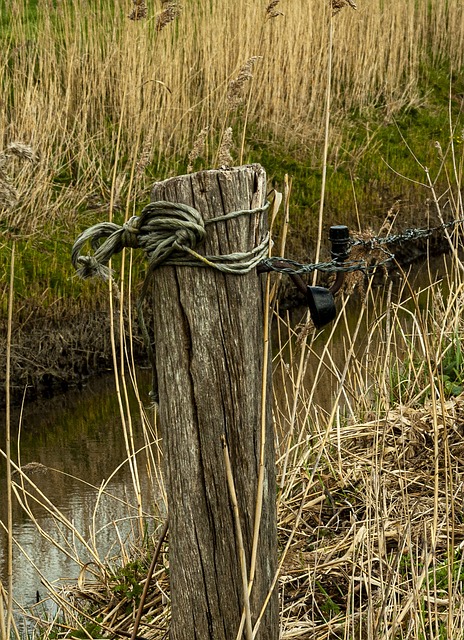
x=82 y=79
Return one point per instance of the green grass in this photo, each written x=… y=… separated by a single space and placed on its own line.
x=43 y=272
x=25 y=10
x=374 y=167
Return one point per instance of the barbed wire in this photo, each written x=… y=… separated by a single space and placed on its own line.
x=274 y=263
x=408 y=234
x=270 y=264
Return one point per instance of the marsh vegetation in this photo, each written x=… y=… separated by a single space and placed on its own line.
x=97 y=106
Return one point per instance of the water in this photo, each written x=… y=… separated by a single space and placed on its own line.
x=71 y=444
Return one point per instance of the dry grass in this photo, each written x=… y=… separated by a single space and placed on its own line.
x=370 y=504
x=89 y=89
x=371 y=476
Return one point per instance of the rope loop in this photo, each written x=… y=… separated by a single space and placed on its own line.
x=130 y=232
x=89 y=267
x=168 y=233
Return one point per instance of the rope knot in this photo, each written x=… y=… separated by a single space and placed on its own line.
x=168 y=230
x=190 y=237
x=130 y=232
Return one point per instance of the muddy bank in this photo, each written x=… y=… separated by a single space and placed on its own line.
x=51 y=355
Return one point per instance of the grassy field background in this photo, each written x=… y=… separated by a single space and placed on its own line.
x=96 y=107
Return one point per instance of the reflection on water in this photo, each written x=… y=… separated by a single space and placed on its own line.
x=71 y=444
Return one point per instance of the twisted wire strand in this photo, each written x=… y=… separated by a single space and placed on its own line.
x=297 y=268
x=376 y=242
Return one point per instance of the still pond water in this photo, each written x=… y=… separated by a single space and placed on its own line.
x=78 y=439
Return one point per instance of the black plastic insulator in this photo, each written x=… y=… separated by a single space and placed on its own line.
x=321 y=305
x=339 y=236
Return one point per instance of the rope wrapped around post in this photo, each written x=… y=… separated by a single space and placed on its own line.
x=168 y=233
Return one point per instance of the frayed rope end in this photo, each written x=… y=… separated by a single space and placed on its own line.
x=89 y=267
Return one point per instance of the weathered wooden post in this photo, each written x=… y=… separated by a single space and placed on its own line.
x=211 y=368
x=209 y=356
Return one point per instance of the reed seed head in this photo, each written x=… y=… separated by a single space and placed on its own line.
x=117 y=195
x=171 y=10
x=197 y=149
x=139 y=10
x=224 y=156
x=271 y=10
x=22 y=151
x=8 y=194
x=144 y=159
x=33 y=468
x=234 y=93
x=338 y=5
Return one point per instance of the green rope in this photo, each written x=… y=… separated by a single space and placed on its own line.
x=168 y=234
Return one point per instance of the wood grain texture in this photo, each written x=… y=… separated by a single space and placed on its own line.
x=209 y=356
